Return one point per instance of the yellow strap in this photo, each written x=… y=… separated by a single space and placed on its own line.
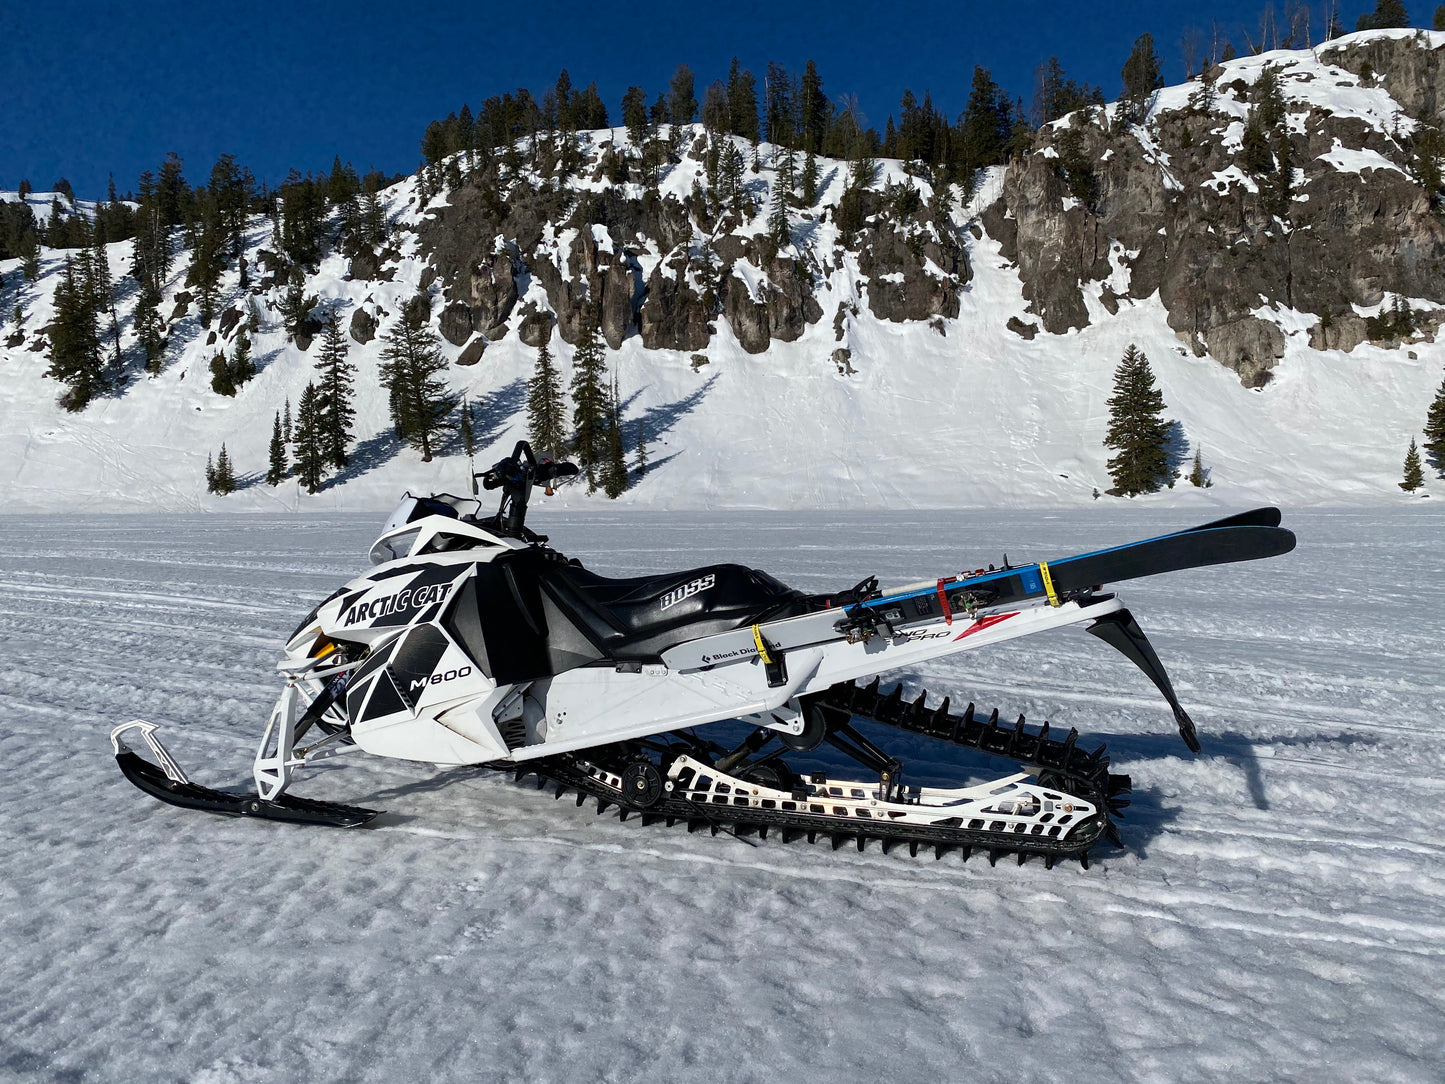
x=1048 y=583
x=762 y=645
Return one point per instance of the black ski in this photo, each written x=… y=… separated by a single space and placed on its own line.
x=154 y=781
x=1247 y=537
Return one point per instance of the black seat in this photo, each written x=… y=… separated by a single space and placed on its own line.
x=640 y=617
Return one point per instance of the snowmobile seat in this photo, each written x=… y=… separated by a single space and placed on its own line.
x=640 y=617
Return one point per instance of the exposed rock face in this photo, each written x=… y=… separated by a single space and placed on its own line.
x=363 y=326
x=1184 y=209
x=587 y=249
x=617 y=297
x=535 y=325
x=493 y=292
x=456 y=323
x=747 y=317
x=364 y=264
x=473 y=352
x=229 y=319
x=673 y=317
x=903 y=257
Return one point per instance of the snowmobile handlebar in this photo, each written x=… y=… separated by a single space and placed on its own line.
x=515 y=476
x=523 y=467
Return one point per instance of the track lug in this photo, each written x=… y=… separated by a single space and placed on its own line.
x=913 y=848
x=1084 y=859
x=862 y=842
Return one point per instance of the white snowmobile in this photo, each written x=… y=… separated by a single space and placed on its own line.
x=473 y=642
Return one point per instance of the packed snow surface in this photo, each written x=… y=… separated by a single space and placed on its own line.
x=1276 y=913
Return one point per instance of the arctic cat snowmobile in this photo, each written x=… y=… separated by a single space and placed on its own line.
x=473 y=642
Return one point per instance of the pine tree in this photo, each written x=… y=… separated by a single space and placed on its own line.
x=222 y=478
x=1439 y=21
x=778 y=215
x=30 y=257
x=589 y=401
x=277 y=468
x=411 y=364
x=1199 y=477
x=1387 y=13
x=1137 y=430
x=1435 y=432
x=75 y=355
x=295 y=306
x=242 y=367
x=335 y=389
x=1141 y=76
x=1414 y=476
x=310 y=445
x=614 y=470
x=546 y=412
x=641 y=447
x=468 y=434
x=221 y=382
x=150 y=329
x=810 y=180
x=682 y=102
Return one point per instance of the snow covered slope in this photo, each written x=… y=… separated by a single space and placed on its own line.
x=1275 y=915
x=953 y=412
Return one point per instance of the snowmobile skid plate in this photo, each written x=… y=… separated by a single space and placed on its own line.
x=165 y=780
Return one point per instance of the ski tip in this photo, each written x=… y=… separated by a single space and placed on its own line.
x=1187 y=731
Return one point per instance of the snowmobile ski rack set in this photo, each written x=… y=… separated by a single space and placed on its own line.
x=471 y=641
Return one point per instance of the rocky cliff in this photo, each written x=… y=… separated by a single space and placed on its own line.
x=1303 y=181
x=652 y=241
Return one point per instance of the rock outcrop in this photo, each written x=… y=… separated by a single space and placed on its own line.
x=1233 y=200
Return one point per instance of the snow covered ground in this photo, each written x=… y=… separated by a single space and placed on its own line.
x=1276 y=914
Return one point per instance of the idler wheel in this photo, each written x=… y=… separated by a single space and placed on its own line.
x=642 y=784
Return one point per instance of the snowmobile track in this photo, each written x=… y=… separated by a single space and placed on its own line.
x=1066 y=767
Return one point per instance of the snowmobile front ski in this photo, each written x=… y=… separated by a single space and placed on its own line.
x=473 y=642
x=165 y=780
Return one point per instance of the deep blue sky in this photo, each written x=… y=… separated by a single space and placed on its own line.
x=91 y=88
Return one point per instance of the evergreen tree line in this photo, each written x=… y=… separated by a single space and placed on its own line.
x=208 y=220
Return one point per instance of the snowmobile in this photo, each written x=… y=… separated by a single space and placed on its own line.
x=472 y=642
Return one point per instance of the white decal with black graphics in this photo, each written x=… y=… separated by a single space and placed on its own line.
x=398 y=607
x=686 y=591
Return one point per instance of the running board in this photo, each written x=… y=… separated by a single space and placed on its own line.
x=167 y=782
x=1120 y=631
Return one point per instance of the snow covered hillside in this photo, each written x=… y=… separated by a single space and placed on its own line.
x=933 y=412
x=1275 y=913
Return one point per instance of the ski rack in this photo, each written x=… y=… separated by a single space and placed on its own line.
x=1058 y=763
